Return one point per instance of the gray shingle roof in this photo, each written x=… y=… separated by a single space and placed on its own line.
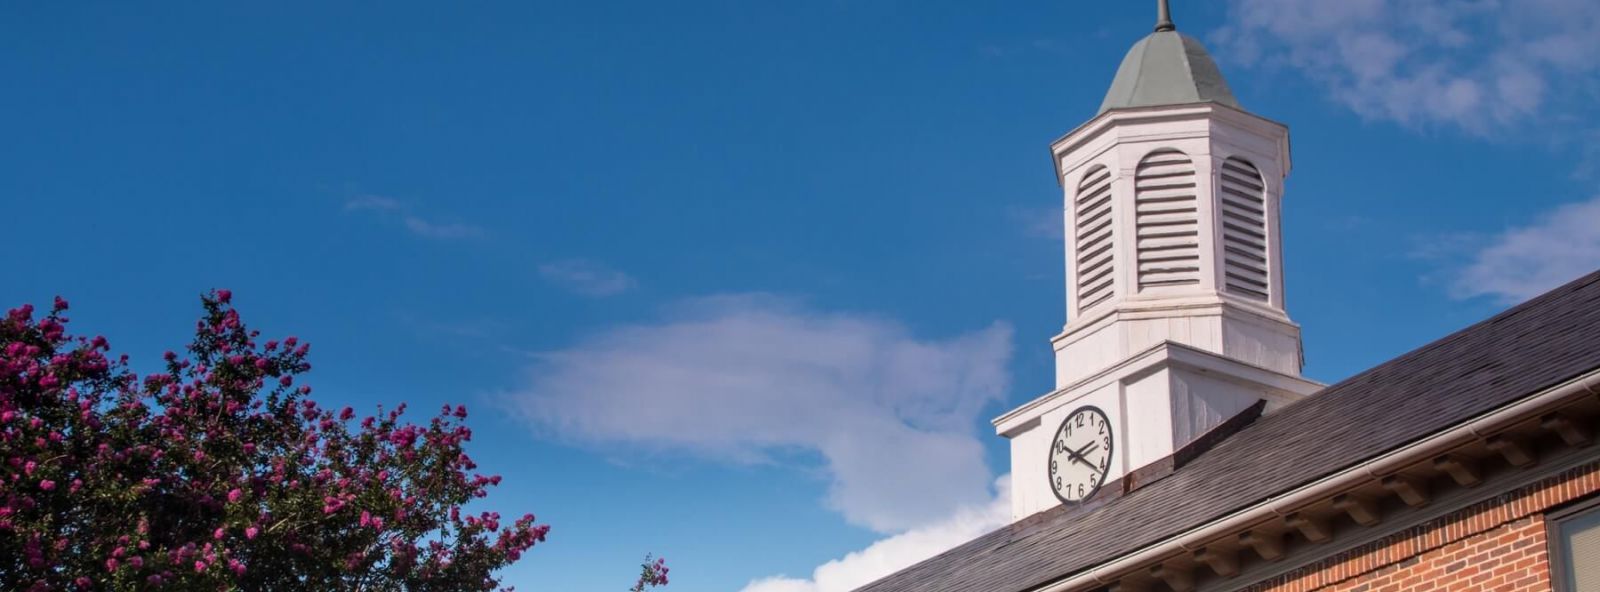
x=1167 y=68
x=1534 y=346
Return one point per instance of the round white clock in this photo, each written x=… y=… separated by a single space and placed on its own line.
x=1080 y=455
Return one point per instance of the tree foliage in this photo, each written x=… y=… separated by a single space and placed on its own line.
x=221 y=473
x=651 y=574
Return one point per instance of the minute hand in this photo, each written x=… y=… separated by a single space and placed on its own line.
x=1078 y=455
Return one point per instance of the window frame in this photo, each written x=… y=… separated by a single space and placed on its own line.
x=1553 y=520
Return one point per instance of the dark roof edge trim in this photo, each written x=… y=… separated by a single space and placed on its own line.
x=1160 y=469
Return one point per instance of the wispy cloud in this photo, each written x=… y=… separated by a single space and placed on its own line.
x=476 y=330
x=1475 y=65
x=1043 y=222
x=586 y=277
x=1524 y=261
x=1013 y=48
x=900 y=551
x=740 y=378
x=426 y=229
x=391 y=208
x=375 y=203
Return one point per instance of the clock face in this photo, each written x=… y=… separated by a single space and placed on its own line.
x=1080 y=455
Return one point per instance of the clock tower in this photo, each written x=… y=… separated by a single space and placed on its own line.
x=1177 y=321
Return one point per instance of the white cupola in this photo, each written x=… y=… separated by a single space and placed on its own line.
x=1175 y=301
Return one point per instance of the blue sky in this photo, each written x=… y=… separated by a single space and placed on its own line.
x=741 y=283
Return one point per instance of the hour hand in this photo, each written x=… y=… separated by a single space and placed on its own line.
x=1080 y=454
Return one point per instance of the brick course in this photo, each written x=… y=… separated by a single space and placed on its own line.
x=1497 y=545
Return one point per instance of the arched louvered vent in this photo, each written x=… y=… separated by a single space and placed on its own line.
x=1244 y=229
x=1167 y=218
x=1092 y=229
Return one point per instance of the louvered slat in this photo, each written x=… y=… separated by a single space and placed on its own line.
x=1093 y=236
x=1244 y=230
x=1166 y=218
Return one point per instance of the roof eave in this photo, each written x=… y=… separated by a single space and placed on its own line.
x=1482 y=427
x=1105 y=120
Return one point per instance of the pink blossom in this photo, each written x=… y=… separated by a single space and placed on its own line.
x=135 y=442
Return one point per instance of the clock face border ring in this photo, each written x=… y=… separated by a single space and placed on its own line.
x=1110 y=452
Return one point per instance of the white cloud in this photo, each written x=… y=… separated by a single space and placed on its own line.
x=900 y=551
x=740 y=378
x=418 y=225
x=1477 y=65
x=587 y=277
x=1526 y=261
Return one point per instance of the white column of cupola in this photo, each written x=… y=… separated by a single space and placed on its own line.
x=1175 y=300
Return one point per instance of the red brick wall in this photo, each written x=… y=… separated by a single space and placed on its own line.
x=1497 y=545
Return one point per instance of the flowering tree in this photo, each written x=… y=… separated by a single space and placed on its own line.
x=221 y=473
x=651 y=574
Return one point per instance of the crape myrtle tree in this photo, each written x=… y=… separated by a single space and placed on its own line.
x=221 y=473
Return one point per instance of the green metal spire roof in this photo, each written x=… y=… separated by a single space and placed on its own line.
x=1167 y=68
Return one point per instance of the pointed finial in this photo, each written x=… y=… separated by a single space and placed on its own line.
x=1164 y=17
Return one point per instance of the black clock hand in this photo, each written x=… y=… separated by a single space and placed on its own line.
x=1071 y=454
x=1079 y=455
